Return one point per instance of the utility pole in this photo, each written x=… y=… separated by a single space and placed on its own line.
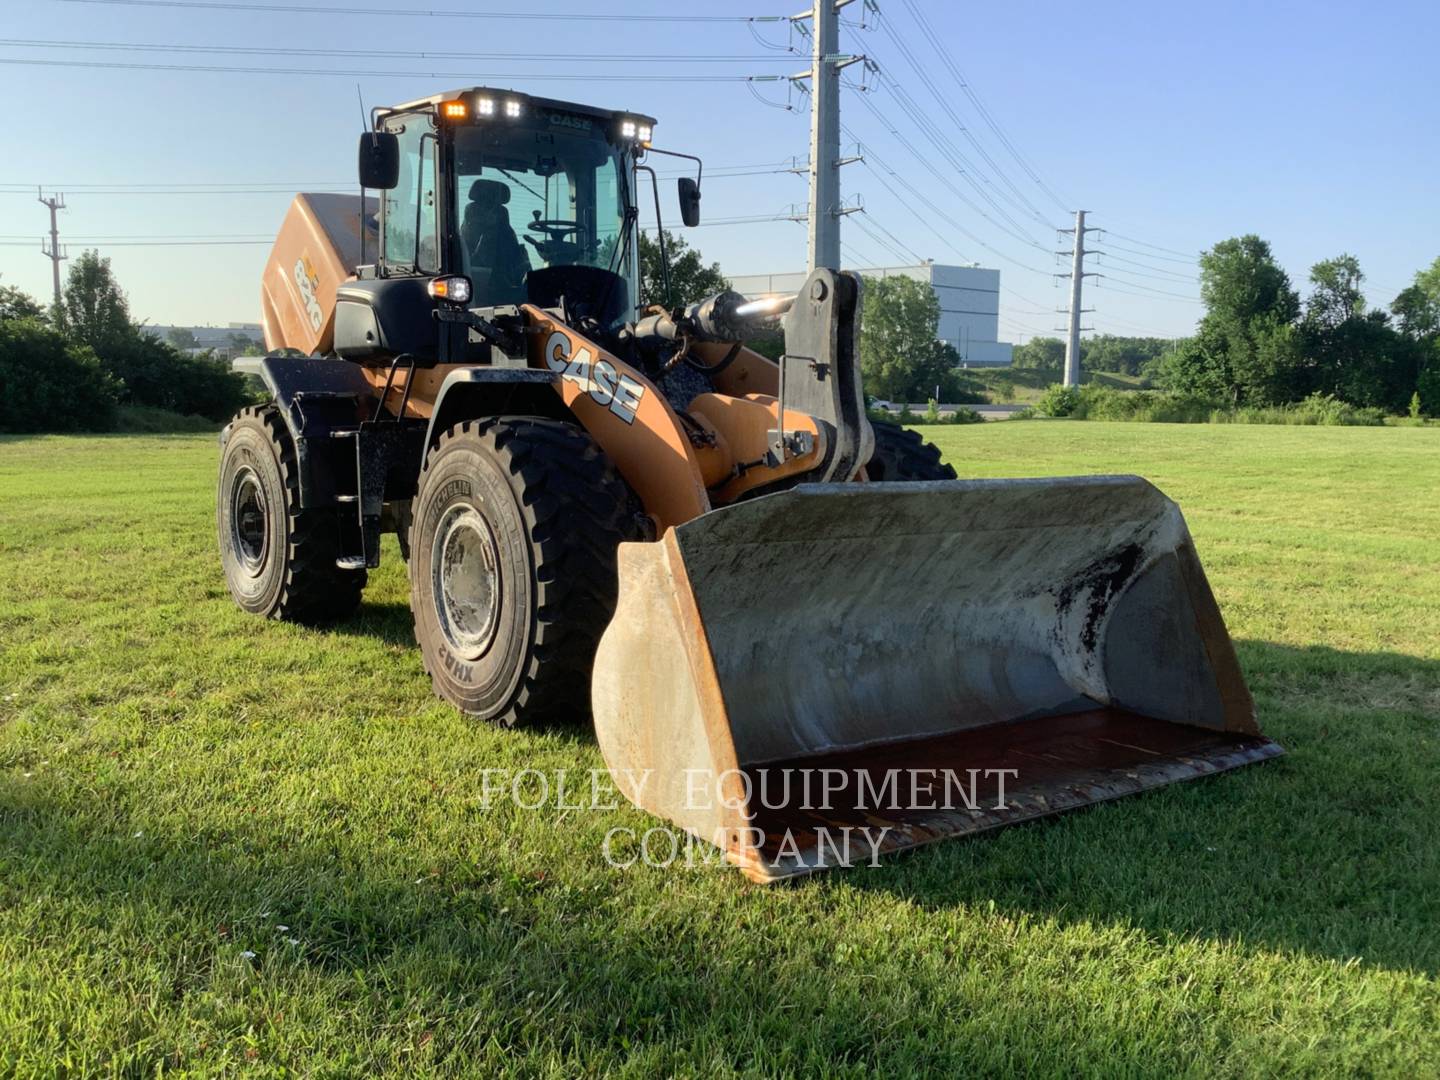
x=1077 y=276
x=825 y=161
x=54 y=253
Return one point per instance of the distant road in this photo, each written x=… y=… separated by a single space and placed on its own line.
x=997 y=412
x=989 y=412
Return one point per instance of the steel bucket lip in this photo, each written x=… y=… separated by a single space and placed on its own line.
x=1175 y=753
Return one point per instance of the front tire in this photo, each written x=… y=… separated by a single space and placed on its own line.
x=901 y=454
x=513 y=543
x=279 y=560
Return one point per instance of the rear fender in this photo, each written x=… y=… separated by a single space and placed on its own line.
x=316 y=396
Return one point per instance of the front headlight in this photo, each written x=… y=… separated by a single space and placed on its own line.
x=454 y=288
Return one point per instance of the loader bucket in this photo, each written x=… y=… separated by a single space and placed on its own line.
x=818 y=676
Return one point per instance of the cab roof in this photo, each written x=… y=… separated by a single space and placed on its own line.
x=528 y=99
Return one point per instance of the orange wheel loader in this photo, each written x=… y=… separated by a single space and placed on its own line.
x=785 y=621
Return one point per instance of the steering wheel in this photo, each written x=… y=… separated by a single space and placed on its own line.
x=553 y=229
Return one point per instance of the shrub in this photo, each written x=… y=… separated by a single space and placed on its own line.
x=932 y=415
x=1106 y=403
x=47 y=384
x=159 y=375
x=1316 y=410
x=1059 y=401
x=148 y=420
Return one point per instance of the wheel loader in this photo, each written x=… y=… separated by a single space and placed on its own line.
x=786 y=621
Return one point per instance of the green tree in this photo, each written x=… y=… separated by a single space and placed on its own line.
x=1125 y=355
x=15 y=304
x=50 y=384
x=690 y=279
x=1242 y=351
x=1337 y=295
x=1041 y=354
x=899 y=354
x=1199 y=366
x=1417 y=313
x=1353 y=353
x=93 y=309
x=1240 y=280
x=182 y=338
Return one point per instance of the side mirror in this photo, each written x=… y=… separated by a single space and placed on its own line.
x=689 y=202
x=379 y=160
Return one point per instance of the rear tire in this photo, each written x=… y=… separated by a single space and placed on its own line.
x=279 y=560
x=904 y=455
x=512 y=566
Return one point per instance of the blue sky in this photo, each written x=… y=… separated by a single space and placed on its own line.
x=1313 y=124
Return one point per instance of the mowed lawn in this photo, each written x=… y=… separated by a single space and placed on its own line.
x=234 y=845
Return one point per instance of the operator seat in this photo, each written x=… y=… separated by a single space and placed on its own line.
x=491 y=244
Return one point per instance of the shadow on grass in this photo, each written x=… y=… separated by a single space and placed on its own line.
x=391 y=623
x=1332 y=850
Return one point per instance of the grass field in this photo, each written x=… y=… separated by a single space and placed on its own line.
x=233 y=845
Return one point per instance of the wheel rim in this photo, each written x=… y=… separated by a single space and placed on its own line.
x=465 y=581
x=249 y=529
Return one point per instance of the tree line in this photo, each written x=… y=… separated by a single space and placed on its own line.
x=1260 y=344
x=71 y=367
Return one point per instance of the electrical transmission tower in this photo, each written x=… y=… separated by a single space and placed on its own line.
x=55 y=253
x=1077 y=276
x=825 y=161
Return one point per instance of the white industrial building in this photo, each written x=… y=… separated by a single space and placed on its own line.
x=969 y=304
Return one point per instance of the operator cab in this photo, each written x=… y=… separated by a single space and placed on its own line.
x=528 y=200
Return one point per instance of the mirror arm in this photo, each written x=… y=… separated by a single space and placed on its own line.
x=659 y=235
x=699 y=164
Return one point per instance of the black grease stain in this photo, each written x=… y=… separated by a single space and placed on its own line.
x=1102 y=580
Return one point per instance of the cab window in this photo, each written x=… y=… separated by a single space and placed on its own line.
x=411 y=219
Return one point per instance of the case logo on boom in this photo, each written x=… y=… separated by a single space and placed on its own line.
x=307 y=280
x=600 y=379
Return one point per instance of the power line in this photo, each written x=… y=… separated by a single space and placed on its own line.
x=1146 y=243
x=930 y=167
x=313 y=9
x=937 y=212
x=210 y=191
x=1156 y=271
x=1190 y=260
x=152 y=236
x=895 y=239
x=594 y=58
x=1148 y=288
x=921 y=118
x=896 y=250
x=279 y=187
x=463 y=75
x=1153 y=295
x=956 y=160
x=141 y=189
x=156 y=243
x=984 y=112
